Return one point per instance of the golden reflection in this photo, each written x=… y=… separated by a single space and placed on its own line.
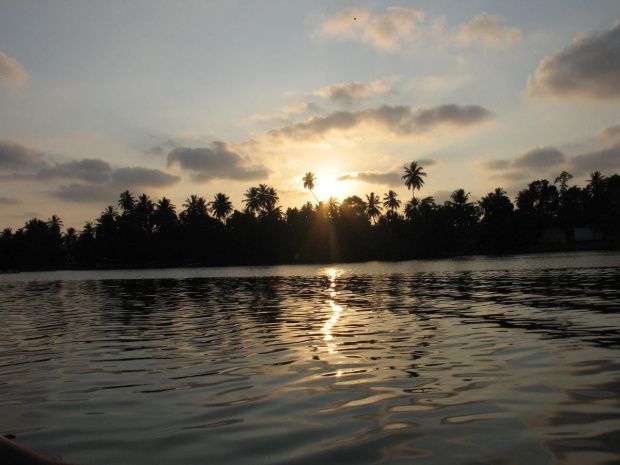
x=336 y=309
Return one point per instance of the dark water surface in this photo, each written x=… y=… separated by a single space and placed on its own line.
x=498 y=361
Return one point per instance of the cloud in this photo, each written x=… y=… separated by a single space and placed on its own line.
x=496 y=165
x=386 y=178
x=12 y=75
x=82 y=193
x=587 y=69
x=400 y=121
x=144 y=177
x=539 y=157
x=348 y=92
x=289 y=110
x=426 y=162
x=388 y=32
x=116 y=181
x=9 y=201
x=606 y=159
x=14 y=155
x=489 y=32
x=218 y=162
x=162 y=148
x=611 y=132
x=86 y=169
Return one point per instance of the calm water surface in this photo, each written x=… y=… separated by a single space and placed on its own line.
x=499 y=361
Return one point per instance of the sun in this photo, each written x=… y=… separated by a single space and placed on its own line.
x=327 y=185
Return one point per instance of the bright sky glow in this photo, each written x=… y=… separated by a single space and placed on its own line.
x=180 y=98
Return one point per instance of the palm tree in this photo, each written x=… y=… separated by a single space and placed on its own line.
x=252 y=200
x=268 y=198
x=221 y=207
x=309 y=180
x=413 y=177
x=54 y=225
x=126 y=202
x=373 y=206
x=165 y=214
x=195 y=207
x=390 y=201
x=144 y=212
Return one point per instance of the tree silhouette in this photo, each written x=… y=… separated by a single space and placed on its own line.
x=373 y=207
x=54 y=225
x=390 y=201
x=309 y=181
x=252 y=201
x=126 y=202
x=221 y=207
x=413 y=177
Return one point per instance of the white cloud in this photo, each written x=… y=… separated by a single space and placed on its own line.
x=348 y=92
x=588 y=69
x=12 y=75
x=388 y=32
x=489 y=32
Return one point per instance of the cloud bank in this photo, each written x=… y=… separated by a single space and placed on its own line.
x=14 y=155
x=385 y=178
x=218 y=162
x=588 y=69
x=401 y=121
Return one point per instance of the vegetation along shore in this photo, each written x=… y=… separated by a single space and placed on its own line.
x=139 y=232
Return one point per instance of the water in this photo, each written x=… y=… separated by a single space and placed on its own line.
x=506 y=360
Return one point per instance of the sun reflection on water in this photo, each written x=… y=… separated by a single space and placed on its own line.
x=336 y=309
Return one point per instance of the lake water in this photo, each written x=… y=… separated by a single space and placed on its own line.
x=476 y=360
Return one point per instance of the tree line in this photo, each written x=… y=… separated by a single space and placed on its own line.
x=138 y=232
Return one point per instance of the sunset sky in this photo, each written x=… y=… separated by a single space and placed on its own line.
x=200 y=97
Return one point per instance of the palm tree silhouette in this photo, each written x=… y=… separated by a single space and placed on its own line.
x=54 y=225
x=252 y=200
x=221 y=207
x=309 y=180
x=413 y=177
x=373 y=206
x=391 y=202
x=126 y=202
x=267 y=198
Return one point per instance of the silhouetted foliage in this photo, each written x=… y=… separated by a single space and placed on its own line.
x=145 y=233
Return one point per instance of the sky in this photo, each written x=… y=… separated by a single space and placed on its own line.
x=199 y=97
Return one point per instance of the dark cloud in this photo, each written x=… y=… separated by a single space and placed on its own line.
x=611 y=132
x=426 y=162
x=589 y=68
x=497 y=165
x=606 y=159
x=17 y=156
x=539 y=157
x=395 y=120
x=82 y=193
x=144 y=177
x=86 y=169
x=388 y=178
x=9 y=201
x=217 y=162
x=162 y=148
